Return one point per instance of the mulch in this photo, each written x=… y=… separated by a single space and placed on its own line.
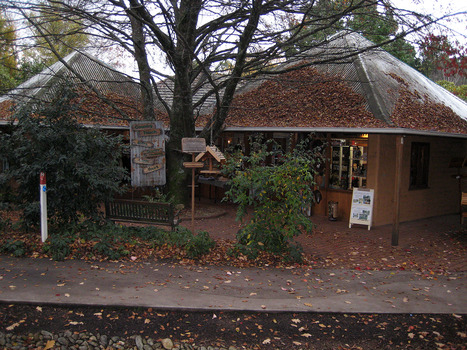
x=436 y=245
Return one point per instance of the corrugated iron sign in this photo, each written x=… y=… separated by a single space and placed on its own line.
x=147 y=154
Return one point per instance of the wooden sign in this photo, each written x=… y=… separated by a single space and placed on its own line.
x=147 y=153
x=152 y=168
x=362 y=207
x=149 y=132
x=143 y=126
x=152 y=153
x=142 y=161
x=142 y=143
x=193 y=145
x=193 y=164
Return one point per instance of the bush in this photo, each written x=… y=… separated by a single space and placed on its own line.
x=199 y=245
x=277 y=193
x=14 y=247
x=59 y=246
x=81 y=164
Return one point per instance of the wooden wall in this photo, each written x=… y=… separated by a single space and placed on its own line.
x=442 y=195
x=440 y=198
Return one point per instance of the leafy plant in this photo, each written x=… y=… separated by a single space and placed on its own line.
x=277 y=193
x=199 y=245
x=59 y=246
x=106 y=249
x=14 y=247
x=81 y=164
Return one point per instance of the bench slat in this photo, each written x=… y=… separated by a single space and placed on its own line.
x=140 y=211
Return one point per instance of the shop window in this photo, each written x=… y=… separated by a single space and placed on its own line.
x=348 y=163
x=419 y=163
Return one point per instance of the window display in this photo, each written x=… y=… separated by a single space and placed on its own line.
x=348 y=163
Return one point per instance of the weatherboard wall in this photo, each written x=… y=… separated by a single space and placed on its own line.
x=442 y=195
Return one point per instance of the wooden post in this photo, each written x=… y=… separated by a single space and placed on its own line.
x=397 y=190
x=193 y=145
x=193 y=195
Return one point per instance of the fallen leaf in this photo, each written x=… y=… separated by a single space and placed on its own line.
x=306 y=335
x=267 y=341
x=49 y=345
x=296 y=320
x=308 y=304
x=14 y=325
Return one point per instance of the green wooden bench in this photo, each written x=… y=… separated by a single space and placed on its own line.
x=143 y=212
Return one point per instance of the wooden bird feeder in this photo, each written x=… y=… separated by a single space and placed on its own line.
x=212 y=155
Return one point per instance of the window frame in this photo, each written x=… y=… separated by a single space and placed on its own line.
x=419 y=165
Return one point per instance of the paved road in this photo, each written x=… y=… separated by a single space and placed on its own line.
x=173 y=286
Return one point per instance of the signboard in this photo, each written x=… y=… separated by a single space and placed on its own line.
x=362 y=207
x=147 y=154
x=193 y=145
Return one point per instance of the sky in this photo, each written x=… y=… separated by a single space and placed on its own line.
x=438 y=8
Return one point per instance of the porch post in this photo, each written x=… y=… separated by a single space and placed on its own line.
x=397 y=189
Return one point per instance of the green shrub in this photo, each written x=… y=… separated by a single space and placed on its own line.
x=277 y=193
x=59 y=246
x=14 y=247
x=106 y=249
x=199 y=245
x=82 y=165
x=178 y=237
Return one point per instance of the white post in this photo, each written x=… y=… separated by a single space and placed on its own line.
x=43 y=202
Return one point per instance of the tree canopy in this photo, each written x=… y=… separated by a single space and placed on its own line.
x=8 y=59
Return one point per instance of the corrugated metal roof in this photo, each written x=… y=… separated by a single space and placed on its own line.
x=381 y=70
x=100 y=75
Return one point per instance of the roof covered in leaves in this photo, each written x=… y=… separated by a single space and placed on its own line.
x=366 y=88
x=81 y=70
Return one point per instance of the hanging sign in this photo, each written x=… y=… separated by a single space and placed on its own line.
x=144 y=126
x=141 y=143
x=152 y=153
x=142 y=161
x=362 y=207
x=147 y=154
x=152 y=168
x=149 y=132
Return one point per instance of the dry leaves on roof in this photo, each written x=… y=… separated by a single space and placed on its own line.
x=418 y=112
x=94 y=111
x=6 y=108
x=302 y=98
